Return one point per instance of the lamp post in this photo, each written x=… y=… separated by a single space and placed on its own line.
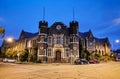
x=72 y=56
x=18 y=57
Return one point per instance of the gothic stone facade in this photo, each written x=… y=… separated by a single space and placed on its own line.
x=59 y=43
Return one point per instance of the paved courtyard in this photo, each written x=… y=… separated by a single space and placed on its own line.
x=60 y=71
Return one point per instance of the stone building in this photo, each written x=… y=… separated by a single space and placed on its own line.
x=60 y=43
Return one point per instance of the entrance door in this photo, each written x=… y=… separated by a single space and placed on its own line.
x=58 y=56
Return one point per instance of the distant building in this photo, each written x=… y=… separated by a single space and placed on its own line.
x=117 y=53
x=60 y=43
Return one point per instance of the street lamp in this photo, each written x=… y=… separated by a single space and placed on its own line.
x=10 y=40
x=117 y=41
x=18 y=57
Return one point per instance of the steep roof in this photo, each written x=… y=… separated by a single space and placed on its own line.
x=25 y=34
x=85 y=34
x=30 y=35
x=103 y=40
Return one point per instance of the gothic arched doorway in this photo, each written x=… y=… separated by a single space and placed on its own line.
x=58 y=56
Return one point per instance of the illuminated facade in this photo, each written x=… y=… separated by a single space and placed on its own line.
x=60 y=43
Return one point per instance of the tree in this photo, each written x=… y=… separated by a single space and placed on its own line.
x=24 y=55
x=2 y=33
x=32 y=57
x=97 y=55
x=81 y=50
x=83 y=54
x=14 y=55
x=88 y=54
x=35 y=54
x=9 y=53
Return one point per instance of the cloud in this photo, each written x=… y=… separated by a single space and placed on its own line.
x=116 y=22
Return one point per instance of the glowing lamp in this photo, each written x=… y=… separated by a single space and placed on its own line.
x=10 y=40
x=117 y=41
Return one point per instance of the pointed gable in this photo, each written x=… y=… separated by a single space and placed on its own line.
x=86 y=34
x=58 y=28
x=22 y=35
x=90 y=35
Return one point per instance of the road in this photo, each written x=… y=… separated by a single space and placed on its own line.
x=60 y=71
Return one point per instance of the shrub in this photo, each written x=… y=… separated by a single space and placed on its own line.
x=91 y=56
x=113 y=57
x=105 y=58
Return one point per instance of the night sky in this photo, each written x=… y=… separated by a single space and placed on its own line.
x=101 y=16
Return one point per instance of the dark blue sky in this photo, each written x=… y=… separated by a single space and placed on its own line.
x=101 y=16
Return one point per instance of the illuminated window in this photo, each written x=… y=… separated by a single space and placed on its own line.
x=49 y=52
x=58 y=40
x=28 y=44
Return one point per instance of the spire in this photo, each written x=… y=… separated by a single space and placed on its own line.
x=43 y=13
x=73 y=14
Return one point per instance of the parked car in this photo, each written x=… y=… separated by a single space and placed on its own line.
x=93 y=61
x=84 y=61
x=81 y=61
x=9 y=60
